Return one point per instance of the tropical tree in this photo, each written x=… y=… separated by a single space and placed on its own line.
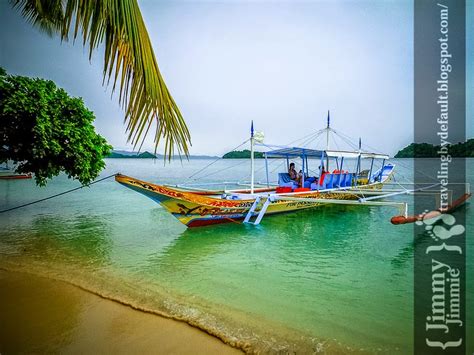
x=129 y=61
x=45 y=131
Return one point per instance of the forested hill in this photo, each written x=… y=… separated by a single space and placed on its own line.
x=144 y=155
x=426 y=150
x=241 y=154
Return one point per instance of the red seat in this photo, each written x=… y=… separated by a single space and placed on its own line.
x=282 y=189
x=321 y=181
x=300 y=189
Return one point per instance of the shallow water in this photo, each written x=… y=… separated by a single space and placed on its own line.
x=335 y=279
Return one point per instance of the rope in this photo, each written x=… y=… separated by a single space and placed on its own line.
x=221 y=170
x=351 y=144
x=311 y=139
x=56 y=195
x=335 y=142
x=348 y=138
x=308 y=135
x=215 y=161
x=282 y=164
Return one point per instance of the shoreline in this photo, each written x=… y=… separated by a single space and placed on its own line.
x=39 y=314
x=234 y=343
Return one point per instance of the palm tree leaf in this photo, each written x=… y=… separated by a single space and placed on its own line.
x=129 y=62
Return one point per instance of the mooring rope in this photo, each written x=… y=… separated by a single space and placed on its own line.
x=56 y=195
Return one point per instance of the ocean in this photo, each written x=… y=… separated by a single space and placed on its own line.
x=333 y=279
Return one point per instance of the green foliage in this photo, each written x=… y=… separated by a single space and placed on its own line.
x=45 y=131
x=242 y=154
x=425 y=150
x=129 y=61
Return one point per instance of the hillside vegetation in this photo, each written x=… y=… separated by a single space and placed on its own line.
x=242 y=154
x=426 y=150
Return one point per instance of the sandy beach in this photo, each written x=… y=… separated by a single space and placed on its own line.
x=40 y=315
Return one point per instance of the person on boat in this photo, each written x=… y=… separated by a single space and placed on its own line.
x=323 y=171
x=300 y=178
x=293 y=174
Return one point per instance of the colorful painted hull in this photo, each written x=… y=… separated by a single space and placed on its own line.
x=195 y=209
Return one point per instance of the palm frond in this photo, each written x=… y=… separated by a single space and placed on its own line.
x=129 y=62
x=46 y=15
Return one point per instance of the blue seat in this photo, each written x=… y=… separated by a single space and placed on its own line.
x=348 y=182
x=321 y=185
x=328 y=181
x=381 y=174
x=340 y=180
x=285 y=181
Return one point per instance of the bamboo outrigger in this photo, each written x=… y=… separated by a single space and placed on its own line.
x=200 y=207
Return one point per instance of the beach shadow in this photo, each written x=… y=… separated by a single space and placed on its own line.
x=38 y=315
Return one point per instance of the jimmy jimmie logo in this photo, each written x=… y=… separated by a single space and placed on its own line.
x=445 y=316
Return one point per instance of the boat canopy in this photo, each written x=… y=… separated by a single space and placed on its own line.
x=349 y=154
x=295 y=152
x=291 y=152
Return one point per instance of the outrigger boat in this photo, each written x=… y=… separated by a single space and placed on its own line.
x=196 y=207
x=9 y=174
x=14 y=176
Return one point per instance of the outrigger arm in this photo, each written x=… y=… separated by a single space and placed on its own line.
x=271 y=198
x=404 y=192
x=403 y=206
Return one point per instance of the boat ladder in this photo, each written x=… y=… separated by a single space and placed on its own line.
x=260 y=214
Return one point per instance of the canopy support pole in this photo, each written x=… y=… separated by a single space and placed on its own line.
x=252 y=167
x=302 y=176
x=381 y=169
x=266 y=169
x=321 y=164
x=357 y=170
x=370 y=171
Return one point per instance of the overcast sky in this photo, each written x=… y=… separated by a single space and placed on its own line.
x=281 y=64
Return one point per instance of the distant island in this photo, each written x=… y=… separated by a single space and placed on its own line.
x=242 y=154
x=148 y=155
x=426 y=150
x=144 y=155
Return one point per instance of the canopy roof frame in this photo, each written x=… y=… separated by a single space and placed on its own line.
x=294 y=152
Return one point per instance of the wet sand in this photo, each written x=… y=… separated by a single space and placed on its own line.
x=40 y=315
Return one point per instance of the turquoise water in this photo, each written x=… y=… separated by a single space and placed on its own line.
x=334 y=279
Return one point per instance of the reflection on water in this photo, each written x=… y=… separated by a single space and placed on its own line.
x=420 y=240
x=75 y=238
x=314 y=269
x=335 y=274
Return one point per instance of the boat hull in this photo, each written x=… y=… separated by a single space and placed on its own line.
x=15 y=176
x=198 y=209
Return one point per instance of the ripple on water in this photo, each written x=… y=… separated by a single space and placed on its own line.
x=332 y=279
